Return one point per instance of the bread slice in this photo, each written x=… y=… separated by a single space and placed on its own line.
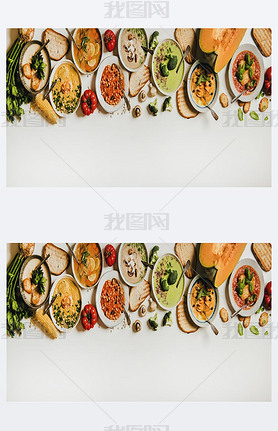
x=58 y=260
x=184 y=106
x=184 y=321
x=262 y=253
x=58 y=44
x=262 y=38
x=138 y=80
x=186 y=251
x=138 y=294
x=185 y=37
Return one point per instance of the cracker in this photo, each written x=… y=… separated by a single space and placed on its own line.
x=185 y=108
x=262 y=38
x=138 y=294
x=185 y=37
x=186 y=251
x=184 y=321
x=262 y=252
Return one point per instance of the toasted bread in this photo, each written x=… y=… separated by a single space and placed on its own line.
x=185 y=37
x=186 y=251
x=185 y=108
x=58 y=44
x=184 y=320
x=138 y=294
x=262 y=38
x=138 y=80
x=262 y=252
x=58 y=260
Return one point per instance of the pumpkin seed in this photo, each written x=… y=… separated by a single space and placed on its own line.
x=254 y=115
x=266 y=333
x=240 y=114
x=254 y=330
x=240 y=329
x=265 y=118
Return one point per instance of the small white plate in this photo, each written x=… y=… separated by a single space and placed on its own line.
x=109 y=61
x=200 y=108
x=201 y=323
x=60 y=328
x=59 y=113
x=108 y=276
x=259 y=301
x=255 y=51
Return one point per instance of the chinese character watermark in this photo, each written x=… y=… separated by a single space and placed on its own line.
x=136 y=9
x=137 y=428
x=137 y=221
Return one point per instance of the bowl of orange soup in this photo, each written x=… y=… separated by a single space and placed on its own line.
x=87 y=58
x=88 y=270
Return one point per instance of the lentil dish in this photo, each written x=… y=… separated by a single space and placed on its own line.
x=111 y=84
x=110 y=302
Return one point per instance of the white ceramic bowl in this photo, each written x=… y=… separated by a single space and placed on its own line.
x=65 y=276
x=59 y=113
x=256 y=52
x=108 y=276
x=259 y=301
x=200 y=108
x=75 y=276
x=75 y=62
x=153 y=274
x=108 y=61
x=120 y=55
x=120 y=269
x=201 y=323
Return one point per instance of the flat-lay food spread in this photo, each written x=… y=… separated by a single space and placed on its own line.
x=139 y=287
x=182 y=72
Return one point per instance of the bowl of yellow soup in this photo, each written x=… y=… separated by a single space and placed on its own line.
x=66 y=309
x=88 y=57
x=88 y=270
x=66 y=94
x=202 y=86
x=202 y=301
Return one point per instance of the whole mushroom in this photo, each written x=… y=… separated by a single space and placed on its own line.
x=152 y=305
x=152 y=90
x=137 y=326
x=142 y=311
x=137 y=111
x=142 y=96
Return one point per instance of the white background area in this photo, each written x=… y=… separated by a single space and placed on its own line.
x=120 y=150
x=120 y=365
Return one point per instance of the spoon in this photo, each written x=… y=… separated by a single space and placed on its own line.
x=187 y=265
x=120 y=82
x=72 y=253
x=43 y=46
x=120 y=296
x=214 y=329
x=72 y=38
x=213 y=113
x=242 y=93
x=42 y=262
x=183 y=57
x=241 y=308
x=51 y=302
x=51 y=88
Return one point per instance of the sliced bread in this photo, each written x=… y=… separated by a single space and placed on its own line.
x=184 y=320
x=138 y=294
x=138 y=80
x=186 y=251
x=58 y=44
x=58 y=260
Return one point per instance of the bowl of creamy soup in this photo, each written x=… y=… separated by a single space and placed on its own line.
x=202 y=86
x=34 y=67
x=130 y=43
x=130 y=261
x=202 y=301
